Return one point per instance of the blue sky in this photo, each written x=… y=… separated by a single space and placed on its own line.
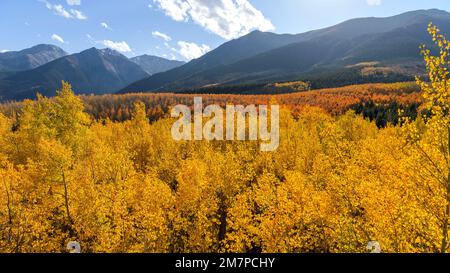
x=175 y=29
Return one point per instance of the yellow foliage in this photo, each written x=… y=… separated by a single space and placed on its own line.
x=334 y=184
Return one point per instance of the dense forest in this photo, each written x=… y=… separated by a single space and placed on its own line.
x=313 y=80
x=372 y=100
x=119 y=183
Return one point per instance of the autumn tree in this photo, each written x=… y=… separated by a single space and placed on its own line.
x=430 y=142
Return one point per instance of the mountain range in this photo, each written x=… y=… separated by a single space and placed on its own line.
x=372 y=48
x=379 y=45
x=93 y=71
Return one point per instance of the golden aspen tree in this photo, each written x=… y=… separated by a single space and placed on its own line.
x=430 y=143
x=194 y=218
x=139 y=130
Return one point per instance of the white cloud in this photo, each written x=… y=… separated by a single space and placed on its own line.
x=58 y=38
x=373 y=2
x=105 y=25
x=227 y=18
x=161 y=35
x=176 y=9
x=78 y=14
x=119 y=46
x=74 y=2
x=191 y=50
x=4 y=50
x=61 y=11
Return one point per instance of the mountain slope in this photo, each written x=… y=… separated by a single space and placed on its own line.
x=386 y=41
x=374 y=25
x=30 y=58
x=154 y=64
x=399 y=46
x=228 y=53
x=91 y=71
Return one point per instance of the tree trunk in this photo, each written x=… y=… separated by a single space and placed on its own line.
x=447 y=199
x=66 y=198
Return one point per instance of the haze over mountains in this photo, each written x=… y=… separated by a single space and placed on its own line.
x=350 y=50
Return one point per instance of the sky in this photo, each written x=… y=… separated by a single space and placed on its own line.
x=175 y=29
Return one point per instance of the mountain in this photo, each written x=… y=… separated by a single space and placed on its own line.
x=91 y=71
x=228 y=53
x=154 y=64
x=385 y=44
x=13 y=61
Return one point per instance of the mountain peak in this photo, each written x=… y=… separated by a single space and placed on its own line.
x=109 y=51
x=40 y=48
x=418 y=14
x=92 y=49
x=30 y=58
x=147 y=56
x=255 y=32
x=436 y=12
x=101 y=52
x=44 y=46
x=154 y=64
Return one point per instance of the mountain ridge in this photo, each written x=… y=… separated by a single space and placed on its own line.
x=30 y=58
x=93 y=70
x=344 y=45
